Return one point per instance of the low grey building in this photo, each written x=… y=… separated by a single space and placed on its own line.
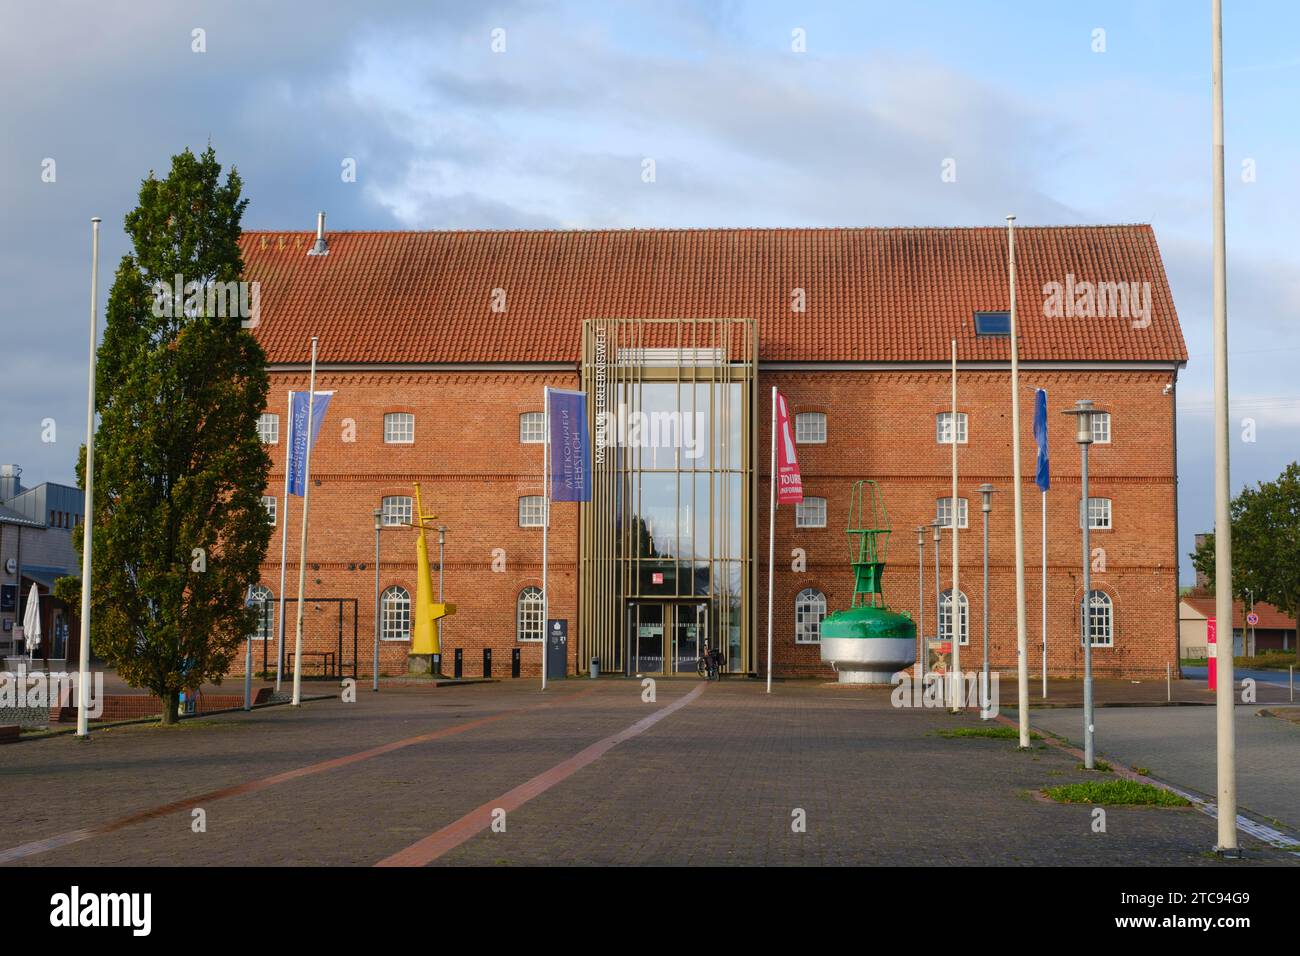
x=37 y=528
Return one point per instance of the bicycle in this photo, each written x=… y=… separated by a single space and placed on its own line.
x=709 y=664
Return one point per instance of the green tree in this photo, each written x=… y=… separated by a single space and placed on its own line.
x=179 y=469
x=1265 y=542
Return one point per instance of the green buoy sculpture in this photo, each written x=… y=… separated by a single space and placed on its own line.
x=868 y=643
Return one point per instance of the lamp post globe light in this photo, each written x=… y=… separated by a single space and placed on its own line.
x=987 y=492
x=1083 y=414
x=379 y=523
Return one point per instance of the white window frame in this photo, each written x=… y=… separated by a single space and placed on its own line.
x=268 y=428
x=809 y=611
x=1101 y=619
x=395 y=612
x=810 y=428
x=943 y=512
x=265 y=619
x=1101 y=428
x=802 y=517
x=945 y=616
x=398 y=425
x=532 y=508
x=397 y=510
x=943 y=428
x=529 y=627
x=1100 y=517
x=269 y=503
x=532 y=428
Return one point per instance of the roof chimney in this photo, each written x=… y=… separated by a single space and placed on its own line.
x=320 y=247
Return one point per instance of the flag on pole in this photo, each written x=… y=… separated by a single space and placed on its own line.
x=1044 y=476
x=570 y=445
x=789 y=481
x=298 y=433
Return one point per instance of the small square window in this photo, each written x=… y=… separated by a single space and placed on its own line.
x=399 y=428
x=398 y=510
x=1101 y=428
x=532 y=511
x=1098 y=513
x=810 y=428
x=268 y=428
x=268 y=502
x=943 y=512
x=532 y=428
x=943 y=428
x=810 y=513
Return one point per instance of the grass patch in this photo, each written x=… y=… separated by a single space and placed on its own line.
x=996 y=733
x=1273 y=660
x=1112 y=793
x=1101 y=766
x=1144 y=771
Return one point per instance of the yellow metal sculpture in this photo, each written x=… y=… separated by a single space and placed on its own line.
x=426 y=637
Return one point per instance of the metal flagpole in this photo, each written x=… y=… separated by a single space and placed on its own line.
x=248 y=660
x=284 y=546
x=956 y=520
x=1224 y=709
x=1044 y=496
x=302 y=544
x=1022 y=638
x=771 y=545
x=920 y=591
x=88 y=522
x=379 y=523
x=546 y=520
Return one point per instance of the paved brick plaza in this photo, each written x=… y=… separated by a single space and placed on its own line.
x=714 y=781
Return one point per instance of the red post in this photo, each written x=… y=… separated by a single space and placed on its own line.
x=1211 y=651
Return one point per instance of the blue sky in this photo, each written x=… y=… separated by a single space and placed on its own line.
x=744 y=132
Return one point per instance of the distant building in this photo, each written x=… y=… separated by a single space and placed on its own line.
x=1274 y=632
x=36 y=535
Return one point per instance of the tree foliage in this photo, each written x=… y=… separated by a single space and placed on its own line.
x=1265 y=543
x=179 y=468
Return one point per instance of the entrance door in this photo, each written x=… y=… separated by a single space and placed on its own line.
x=690 y=636
x=649 y=623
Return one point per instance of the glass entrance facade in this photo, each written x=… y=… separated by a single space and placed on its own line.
x=667 y=540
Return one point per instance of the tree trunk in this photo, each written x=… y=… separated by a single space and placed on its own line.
x=171 y=707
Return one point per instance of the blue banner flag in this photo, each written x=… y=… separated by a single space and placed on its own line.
x=298 y=434
x=570 y=446
x=1044 y=476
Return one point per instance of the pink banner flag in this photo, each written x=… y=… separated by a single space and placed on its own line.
x=789 y=487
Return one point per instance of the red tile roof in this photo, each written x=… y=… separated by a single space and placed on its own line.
x=1270 y=618
x=873 y=295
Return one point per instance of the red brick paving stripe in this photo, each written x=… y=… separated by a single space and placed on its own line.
x=454 y=834
x=37 y=847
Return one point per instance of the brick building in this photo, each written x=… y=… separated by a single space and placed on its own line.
x=437 y=346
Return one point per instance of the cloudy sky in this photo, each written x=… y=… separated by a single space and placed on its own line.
x=1043 y=115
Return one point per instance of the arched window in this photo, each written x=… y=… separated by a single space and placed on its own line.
x=945 y=618
x=809 y=609
x=263 y=603
x=529 y=616
x=1101 y=619
x=396 y=614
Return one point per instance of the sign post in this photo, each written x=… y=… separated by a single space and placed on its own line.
x=1212 y=652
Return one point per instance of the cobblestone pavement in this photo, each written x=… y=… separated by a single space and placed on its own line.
x=718 y=781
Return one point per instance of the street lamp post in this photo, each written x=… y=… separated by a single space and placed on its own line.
x=379 y=523
x=920 y=592
x=1083 y=412
x=442 y=547
x=937 y=527
x=987 y=492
